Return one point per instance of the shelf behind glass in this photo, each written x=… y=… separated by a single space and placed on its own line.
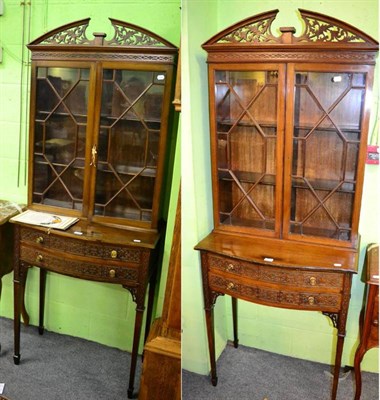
x=343 y=234
x=124 y=196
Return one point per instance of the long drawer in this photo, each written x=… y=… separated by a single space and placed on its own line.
x=86 y=268
x=279 y=297
x=303 y=278
x=78 y=246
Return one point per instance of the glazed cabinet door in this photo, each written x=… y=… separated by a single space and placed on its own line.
x=247 y=125
x=61 y=105
x=326 y=137
x=131 y=141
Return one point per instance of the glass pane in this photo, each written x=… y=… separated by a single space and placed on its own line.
x=124 y=196
x=327 y=128
x=246 y=120
x=60 y=134
x=128 y=143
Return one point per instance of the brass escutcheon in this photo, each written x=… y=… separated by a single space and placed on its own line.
x=313 y=281
x=39 y=258
x=40 y=239
x=230 y=267
x=113 y=254
x=230 y=286
x=311 y=300
x=112 y=273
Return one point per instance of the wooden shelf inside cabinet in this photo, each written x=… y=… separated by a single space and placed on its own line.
x=246 y=177
x=100 y=126
x=288 y=131
x=347 y=186
x=226 y=124
x=130 y=170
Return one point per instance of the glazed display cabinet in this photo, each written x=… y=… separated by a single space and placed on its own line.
x=99 y=139
x=288 y=123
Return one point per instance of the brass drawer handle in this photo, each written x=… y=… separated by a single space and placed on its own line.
x=311 y=300
x=113 y=254
x=112 y=273
x=230 y=267
x=40 y=239
x=39 y=258
x=313 y=281
x=230 y=286
x=375 y=322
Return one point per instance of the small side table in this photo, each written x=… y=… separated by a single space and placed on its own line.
x=369 y=316
x=7 y=211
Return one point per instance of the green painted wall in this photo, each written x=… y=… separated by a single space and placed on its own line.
x=302 y=334
x=95 y=311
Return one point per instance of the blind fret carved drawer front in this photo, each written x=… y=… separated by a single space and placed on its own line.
x=121 y=253
x=34 y=236
x=277 y=275
x=97 y=270
x=276 y=297
x=80 y=247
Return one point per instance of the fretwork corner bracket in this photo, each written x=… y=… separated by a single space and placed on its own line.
x=334 y=318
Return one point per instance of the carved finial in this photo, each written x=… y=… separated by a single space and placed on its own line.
x=99 y=38
x=287 y=34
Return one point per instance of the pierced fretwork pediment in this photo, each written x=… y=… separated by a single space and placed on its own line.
x=256 y=30
x=70 y=34
x=125 y=35
x=132 y=35
x=318 y=28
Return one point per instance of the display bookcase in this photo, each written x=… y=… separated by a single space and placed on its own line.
x=100 y=125
x=288 y=126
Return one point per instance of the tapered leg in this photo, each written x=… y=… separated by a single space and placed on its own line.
x=136 y=340
x=42 y=300
x=235 y=321
x=24 y=313
x=18 y=287
x=211 y=343
x=338 y=359
x=341 y=325
x=149 y=311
